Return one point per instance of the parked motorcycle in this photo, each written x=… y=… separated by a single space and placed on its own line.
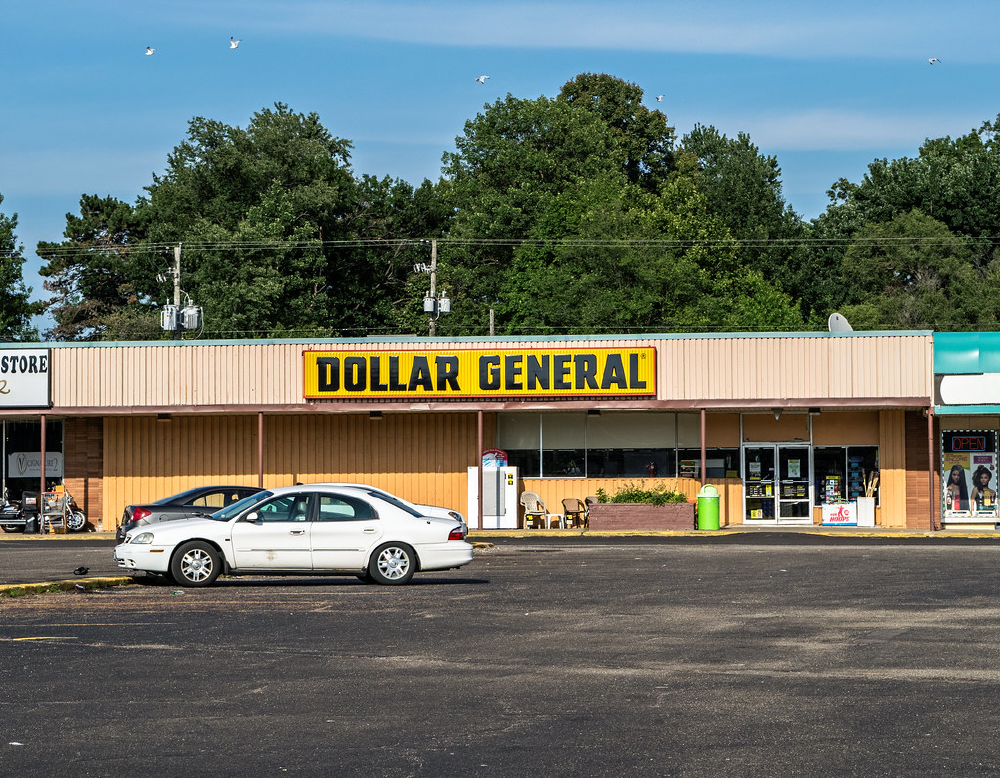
x=11 y=518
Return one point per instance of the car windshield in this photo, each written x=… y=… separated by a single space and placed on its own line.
x=225 y=514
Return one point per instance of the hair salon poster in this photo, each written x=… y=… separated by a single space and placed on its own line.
x=968 y=472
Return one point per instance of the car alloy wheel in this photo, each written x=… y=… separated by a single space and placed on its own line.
x=195 y=564
x=392 y=563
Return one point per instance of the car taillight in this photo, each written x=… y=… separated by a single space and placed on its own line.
x=140 y=513
x=457 y=534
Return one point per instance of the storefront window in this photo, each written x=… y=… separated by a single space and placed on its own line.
x=610 y=445
x=719 y=462
x=968 y=469
x=22 y=444
x=844 y=473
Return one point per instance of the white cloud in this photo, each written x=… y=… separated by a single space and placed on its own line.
x=836 y=130
x=780 y=29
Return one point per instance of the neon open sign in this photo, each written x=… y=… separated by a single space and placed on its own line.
x=968 y=443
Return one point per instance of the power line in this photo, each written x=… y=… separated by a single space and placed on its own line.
x=398 y=243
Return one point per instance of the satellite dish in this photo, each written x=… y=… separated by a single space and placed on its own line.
x=838 y=323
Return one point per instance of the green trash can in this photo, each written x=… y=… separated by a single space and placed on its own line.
x=708 y=507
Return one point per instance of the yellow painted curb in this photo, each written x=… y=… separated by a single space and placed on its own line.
x=44 y=587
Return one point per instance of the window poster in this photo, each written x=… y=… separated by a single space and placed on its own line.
x=968 y=472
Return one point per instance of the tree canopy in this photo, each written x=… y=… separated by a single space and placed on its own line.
x=579 y=213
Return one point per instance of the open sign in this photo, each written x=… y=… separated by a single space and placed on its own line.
x=968 y=443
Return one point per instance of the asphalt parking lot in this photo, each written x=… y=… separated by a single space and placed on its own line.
x=638 y=658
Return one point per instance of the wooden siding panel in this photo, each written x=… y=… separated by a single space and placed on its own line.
x=892 y=469
x=917 y=475
x=688 y=369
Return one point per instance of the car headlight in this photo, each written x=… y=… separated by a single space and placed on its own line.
x=142 y=537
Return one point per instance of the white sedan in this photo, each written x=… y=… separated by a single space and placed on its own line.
x=314 y=528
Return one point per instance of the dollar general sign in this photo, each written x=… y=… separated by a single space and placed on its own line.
x=476 y=373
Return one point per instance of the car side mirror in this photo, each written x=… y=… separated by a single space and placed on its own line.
x=252 y=517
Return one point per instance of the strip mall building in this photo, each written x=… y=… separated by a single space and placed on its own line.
x=792 y=428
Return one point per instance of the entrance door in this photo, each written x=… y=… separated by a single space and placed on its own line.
x=776 y=485
x=794 y=506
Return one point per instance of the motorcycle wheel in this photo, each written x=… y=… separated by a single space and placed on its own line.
x=76 y=521
x=12 y=527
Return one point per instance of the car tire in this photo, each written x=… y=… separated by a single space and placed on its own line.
x=195 y=563
x=12 y=527
x=392 y=564
x=76 y=521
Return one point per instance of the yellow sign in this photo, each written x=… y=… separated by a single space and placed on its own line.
x=478 y=373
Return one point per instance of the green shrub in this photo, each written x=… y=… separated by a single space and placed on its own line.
x=630 y=492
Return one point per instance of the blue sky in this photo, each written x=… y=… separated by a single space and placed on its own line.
x=826 y=88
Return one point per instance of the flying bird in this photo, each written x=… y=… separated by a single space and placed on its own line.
x=932 y=60
x=659 y=98
x=149 y=51
x=482 y=79
x=233 y=43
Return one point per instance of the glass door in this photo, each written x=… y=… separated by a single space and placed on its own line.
x=758 y=484
x=794 y=505
x=776 y=485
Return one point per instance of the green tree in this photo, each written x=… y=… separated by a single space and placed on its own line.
x=643 y=136
x=916 y=274
x=576 y=215
x=743 y=190
x=277 y=238
x=92 y=275
x=16 y=309
x=513 y=161
x=955 y=181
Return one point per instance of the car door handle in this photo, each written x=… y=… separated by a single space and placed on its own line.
x=369 y=529
x=296 y=532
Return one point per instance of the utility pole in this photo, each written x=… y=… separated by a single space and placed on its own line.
x=177 y=290
x=432 y=322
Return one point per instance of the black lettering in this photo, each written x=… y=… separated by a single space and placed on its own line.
x=32 y=364
x=327 y=374
x=395 y=385
x=512 y=369
x=614 y=373
x=420 y=375
x=3 y=364
x=375 y=366
x=489 y=373
x=354 y=374
x=537 y=372
x=22 y=363
x=633 y=370
x=562 y=370
x=43 y=364
x=447 y=373
x=586 y=371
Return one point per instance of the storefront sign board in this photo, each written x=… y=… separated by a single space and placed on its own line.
x=479 y=373
x=28 y=464
x=844 y=514
x=24 y=378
